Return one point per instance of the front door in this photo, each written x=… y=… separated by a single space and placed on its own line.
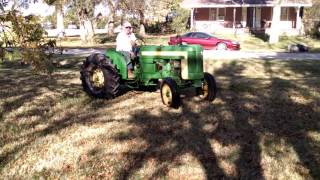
x=254 y=17
x=250 y=17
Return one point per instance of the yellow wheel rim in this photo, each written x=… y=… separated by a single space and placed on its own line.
x=205 y=89
x=166 y=94
x=97 y=78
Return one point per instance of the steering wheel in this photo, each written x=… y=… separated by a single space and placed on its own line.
x=140 y=41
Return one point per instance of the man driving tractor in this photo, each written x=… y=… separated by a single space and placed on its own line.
x=125 y=42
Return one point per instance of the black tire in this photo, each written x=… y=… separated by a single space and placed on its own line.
x=221 y=46
x=108 y=83
x=169 y=93
x=209 y=90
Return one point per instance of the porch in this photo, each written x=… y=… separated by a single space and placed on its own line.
x=245 y=19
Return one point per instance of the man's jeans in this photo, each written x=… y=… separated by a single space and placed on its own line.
x=127 y=58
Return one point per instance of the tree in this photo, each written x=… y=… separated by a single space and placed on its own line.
x=136 y=7
x=85 y=10
x=71 y=17
x=59 y=12
x=179 y=23
x=113 y=7
x=27 y=33
x=311 y=19
x=140 y=8
x=274 y=32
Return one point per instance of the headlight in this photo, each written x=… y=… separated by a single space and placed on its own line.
x=235 y=43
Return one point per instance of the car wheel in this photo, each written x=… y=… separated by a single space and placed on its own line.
x=221 y=46
x=169 y=93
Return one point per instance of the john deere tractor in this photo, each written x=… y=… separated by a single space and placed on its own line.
x=172 y=67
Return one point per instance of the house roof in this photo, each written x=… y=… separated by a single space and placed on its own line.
x=243 y=3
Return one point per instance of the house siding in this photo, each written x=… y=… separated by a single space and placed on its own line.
x=202 y=14
x=229 y=14
x=292 y=16
x=266 y=13
x=256 y=18
x=266 y=17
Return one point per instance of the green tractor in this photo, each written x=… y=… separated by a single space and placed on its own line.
x=172 y=67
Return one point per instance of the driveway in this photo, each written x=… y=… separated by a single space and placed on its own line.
x=220 y=55
x=83 y=51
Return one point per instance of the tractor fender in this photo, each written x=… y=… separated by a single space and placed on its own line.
x=118 y=60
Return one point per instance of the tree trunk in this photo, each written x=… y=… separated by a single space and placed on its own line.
x=112 y=17
x=142 y=30
x=87 y=32
x=60 y=25
x=111 y=24
x=274 y=32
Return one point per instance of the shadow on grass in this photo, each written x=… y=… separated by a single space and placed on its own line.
x=293 y=121
x=261 y=35
x=254 y=113
x=249 y=113
x=315 y=50
x=25 y=95
x=157 y=131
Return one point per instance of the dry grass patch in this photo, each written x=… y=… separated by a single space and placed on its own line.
x=263 y=124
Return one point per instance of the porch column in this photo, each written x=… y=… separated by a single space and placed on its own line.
x=234 y=18
x=254 y=18
x=244 y=17
x=299 y=21
x=191 y=19
x=274 y=31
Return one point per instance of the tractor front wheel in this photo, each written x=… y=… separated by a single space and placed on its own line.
x=99 y=78
x=169 y=93
x=208 y=90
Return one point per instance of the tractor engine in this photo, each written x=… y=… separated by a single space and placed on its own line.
x=178 y=62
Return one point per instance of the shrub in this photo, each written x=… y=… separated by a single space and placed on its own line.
x=180 y=21
x=29 y=36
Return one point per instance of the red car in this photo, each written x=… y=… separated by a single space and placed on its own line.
x=207 y=41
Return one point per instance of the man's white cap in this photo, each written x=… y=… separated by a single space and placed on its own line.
x=127 y=24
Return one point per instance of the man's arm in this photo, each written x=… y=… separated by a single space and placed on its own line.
x=133 y=39
x=118 y=42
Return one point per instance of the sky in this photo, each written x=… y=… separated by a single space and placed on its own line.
x=38 y=8
x=42 y=9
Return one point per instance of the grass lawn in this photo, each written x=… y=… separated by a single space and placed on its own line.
x=255 y=43
x=248 y=42
x=264 y=124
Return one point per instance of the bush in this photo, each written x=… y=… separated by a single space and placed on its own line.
x=51 y=19
x=101 y=23
x=315 y=31
x=158 y=27
x=180 y=21
x=29 y=36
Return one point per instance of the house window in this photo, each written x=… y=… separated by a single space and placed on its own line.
x=221 y=13
x=216 y=14
x=212 y=14
x=284 y=14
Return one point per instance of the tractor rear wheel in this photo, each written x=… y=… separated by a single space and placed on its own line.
x=169 y=93
x=99 y=78
x=208 y=90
